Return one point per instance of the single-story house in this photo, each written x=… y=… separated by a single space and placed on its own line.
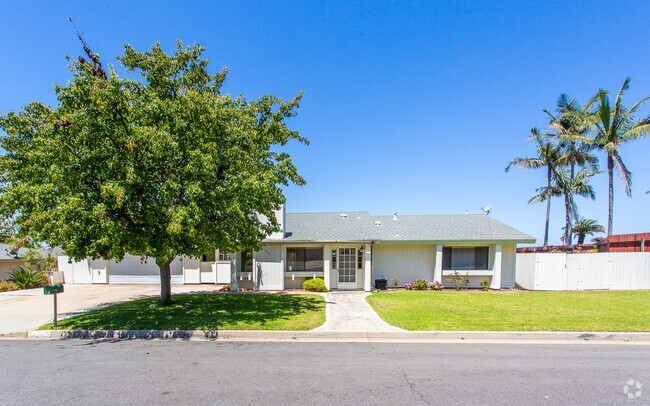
x=347 y=249
x=9 y=259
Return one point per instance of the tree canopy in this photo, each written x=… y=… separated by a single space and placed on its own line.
x=159 y=165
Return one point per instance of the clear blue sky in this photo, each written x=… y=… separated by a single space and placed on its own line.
x=410 y=107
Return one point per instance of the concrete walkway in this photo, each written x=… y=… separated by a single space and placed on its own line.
x=29 y=309
x=349 y=312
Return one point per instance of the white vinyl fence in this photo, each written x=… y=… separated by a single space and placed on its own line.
x=612 y=270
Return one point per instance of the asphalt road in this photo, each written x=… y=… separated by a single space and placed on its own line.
x=155 y=372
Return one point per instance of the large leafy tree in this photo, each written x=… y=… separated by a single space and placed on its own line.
x=548 y=157
x=158 y=164
x=615 y=126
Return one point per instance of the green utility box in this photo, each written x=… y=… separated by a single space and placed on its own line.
x=52 y=289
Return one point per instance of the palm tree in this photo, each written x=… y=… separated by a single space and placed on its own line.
x=615 y=127
x=568 y=188
x=547 y=157
x=584 y=227
x=571 y=124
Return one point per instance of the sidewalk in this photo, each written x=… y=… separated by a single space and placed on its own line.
x=412 y=337
x=349 y=312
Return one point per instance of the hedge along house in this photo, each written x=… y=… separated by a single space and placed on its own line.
x=347 y=249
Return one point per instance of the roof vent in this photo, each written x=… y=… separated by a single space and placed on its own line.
x=395 y=216
x=396 y=234
x=344 y=215
x=377 y=223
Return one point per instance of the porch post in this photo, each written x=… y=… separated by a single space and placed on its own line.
x=367 y=256
x=256 y=276
x=496 y=268
x=233 y=272
x=327 y=264
x=437 y=269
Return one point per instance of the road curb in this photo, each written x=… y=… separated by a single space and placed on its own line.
x=406 y=336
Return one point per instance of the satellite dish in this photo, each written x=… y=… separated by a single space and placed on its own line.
x=487 y=209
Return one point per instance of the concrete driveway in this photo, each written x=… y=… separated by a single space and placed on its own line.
x=29 y=309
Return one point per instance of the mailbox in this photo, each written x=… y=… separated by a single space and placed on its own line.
x=52 y=289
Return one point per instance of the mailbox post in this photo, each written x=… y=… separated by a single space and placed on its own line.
x=53 y=290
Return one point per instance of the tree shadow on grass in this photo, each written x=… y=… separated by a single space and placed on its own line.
x=207 y=312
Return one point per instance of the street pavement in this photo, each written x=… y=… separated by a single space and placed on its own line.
x=245 y=373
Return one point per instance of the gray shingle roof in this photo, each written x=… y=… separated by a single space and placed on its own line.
x=361 y=226
x=6 y=253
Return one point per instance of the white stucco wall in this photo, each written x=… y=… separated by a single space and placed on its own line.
x=409 y=261
x=508 y=265
x=414 y=261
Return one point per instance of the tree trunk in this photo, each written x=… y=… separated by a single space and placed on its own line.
x=571 y=203
x=610 y=173
x=548 y=204
x=165 y=281
x=567 y=219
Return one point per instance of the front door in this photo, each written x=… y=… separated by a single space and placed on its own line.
x=347 y=267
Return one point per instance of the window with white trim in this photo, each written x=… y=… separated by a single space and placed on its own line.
x=465 y=258
x=304 y=259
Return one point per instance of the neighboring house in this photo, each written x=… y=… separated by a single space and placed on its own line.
x=9 y=259
x=637 y=242
x=347 y=249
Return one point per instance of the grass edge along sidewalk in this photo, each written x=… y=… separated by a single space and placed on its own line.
x=472 y=310
x=206 y=311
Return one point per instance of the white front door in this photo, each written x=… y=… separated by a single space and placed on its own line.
x=347 y=268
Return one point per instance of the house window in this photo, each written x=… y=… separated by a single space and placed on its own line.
x=304 y=259
x=207 y=257
x=465 y=258
x=360 y=258
x=224 y=256
x=246 y=261
x=333 y=259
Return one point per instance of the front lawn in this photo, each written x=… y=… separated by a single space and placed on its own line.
x=206 y=311
x=515 y=311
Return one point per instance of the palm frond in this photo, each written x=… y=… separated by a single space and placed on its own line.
x=604 y=111
x=619 y=97
x=638 y=130
x=623 y=173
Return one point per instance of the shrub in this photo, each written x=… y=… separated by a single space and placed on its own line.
x=436 y=285
x=8 y=286
x=26 y=278
x=459 y=281
x=314 y=285
x=408 y=286
x=37 y=261
x=420 y=284
x=395 y=280
x=485 y=284
x=225 y=288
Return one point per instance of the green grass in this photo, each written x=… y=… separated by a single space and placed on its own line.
x=206 y=311
x=515 y=311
